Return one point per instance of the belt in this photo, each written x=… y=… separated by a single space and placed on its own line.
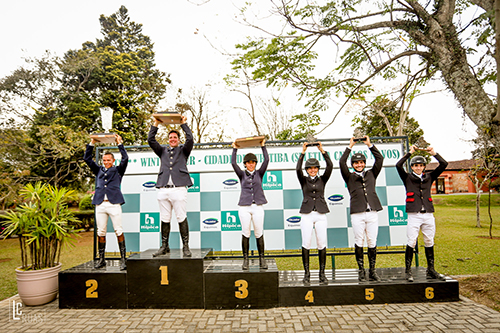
x=169 y=186
x=368 y=210
x=423 y=211
x=106 y=200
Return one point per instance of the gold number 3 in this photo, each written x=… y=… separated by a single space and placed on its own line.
x=242 y=291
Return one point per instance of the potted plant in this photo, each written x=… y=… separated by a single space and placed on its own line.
x=43 y=224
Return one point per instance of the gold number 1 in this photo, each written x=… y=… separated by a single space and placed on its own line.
x=164 y=275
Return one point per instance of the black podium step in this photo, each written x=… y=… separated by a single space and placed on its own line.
x=227 y=286
x=343 y=288
x=167 y=281
x=83 y=287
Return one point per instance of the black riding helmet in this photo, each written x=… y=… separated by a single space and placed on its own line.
x=312 y=162
x=358 y=157
x=249 y=157
x=418 y=160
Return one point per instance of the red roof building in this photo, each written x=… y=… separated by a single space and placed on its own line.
x=455 y=179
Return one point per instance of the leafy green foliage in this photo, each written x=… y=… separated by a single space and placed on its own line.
x=43 y=224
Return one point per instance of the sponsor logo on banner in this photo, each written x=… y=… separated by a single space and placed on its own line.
x=273 y=180
x=293 y=222
x=210 y=223
x=230 y=184
x=336 y=199
x=230 y=221
x=149 y=222
x=195 y=179
x=149 y=186
x=397 y=215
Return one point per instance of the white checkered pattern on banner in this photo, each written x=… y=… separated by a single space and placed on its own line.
x=213 y=201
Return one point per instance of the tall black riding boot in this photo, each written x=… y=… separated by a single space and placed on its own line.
x=322 y=264
x=372 y=258
x=101 y=249
x=305 y=262
x=184 y=229
x=123 y=252
x=358 y=251
x=165 y=233
x=431 y=272
x=260 y=248
x=245 y=246
x=408 y=261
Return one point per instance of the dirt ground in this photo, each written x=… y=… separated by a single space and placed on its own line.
x=483 y=288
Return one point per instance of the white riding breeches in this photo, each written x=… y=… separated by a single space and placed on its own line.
x=172 y=198
x=251 y=213
x=318 y=222
x=102 y=212
x=365 y=223
x=424 y=222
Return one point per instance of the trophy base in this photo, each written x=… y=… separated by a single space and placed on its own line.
x=359 y=139
x=253 y=141
x=168 y=118
x=312 y=144
x=103 y=137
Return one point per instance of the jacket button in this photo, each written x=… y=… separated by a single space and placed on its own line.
x=170 y=168
x=105 y=185
x=314 y=198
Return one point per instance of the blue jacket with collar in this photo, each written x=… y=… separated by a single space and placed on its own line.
x=107 y=181
x=251 y=185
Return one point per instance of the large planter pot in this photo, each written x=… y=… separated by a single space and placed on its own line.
x=38 y=287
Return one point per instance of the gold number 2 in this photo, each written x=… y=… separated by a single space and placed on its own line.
x=242 y=291
x=91 y=291
x=164 y=275
x=309 y=296
x=429 y=293
x=369 y=294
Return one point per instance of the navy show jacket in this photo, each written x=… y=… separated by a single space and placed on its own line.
x=107 y=181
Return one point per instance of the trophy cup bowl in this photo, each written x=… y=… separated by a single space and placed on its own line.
x=252 y=141
x=168 y=118
x=358 y=135
x=107 y=121
x=311 y=140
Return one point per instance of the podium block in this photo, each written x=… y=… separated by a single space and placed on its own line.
x=167 y=281
x=227 y=286
x=344 y=288
x=83 y=287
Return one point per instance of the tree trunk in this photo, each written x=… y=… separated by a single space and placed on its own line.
x=478 y=198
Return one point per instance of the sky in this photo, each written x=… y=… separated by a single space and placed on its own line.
x=188 y=39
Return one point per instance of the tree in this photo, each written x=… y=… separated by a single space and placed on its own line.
x=49 y=106
x=382 y=117
x=485 y=171
x=117 y=71
x=380 y=40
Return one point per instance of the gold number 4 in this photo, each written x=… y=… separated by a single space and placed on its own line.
x=369 y=294
x=309 y=296
x=164 y=275
x=91 y=291
x=429 y=293
x=242 y=291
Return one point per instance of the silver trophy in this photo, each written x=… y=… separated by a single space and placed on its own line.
x=107 y=124
x=311 y=140
x=421 y=144
x=358 y=135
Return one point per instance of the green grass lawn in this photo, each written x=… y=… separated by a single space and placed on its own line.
x=461 y=248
